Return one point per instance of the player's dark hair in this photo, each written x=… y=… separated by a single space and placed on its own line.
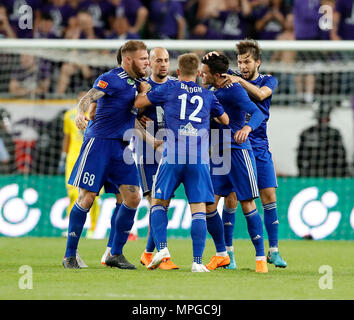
x=119 y=56
x=217 y=64
x=188 y=64
x=251 y=47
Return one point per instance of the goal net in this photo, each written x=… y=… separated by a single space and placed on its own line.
x=41 y=79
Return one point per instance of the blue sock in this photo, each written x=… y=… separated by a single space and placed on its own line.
x=113 y=222
x=159 y=223
x=255 y=230
x=228 y=218
x=271 y=223
x=198 y=233
x=77 y=220
x=216 y=230
x=123 y=224
x=150 y=245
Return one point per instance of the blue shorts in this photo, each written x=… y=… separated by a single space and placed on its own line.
x=241 y=178
x=146 y=173
x=267 y=177
x=195 y=178
x=104 y=162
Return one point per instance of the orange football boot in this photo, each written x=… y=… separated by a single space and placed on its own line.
x=146 y=258
x=218 y=261
x=167 y=264
x=261 y=266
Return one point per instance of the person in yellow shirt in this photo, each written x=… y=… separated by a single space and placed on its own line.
x=72 y=142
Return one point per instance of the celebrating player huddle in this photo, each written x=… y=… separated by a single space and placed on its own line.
x=212 y=140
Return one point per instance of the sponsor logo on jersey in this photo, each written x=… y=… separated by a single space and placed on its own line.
x=188 y=130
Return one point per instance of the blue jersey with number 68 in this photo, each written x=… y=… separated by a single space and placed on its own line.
x=187 y=111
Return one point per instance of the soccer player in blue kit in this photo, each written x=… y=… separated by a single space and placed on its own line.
x=104 y=158
x=188 y=108
x=260 y=88
x=152 y=119
x=238 y=158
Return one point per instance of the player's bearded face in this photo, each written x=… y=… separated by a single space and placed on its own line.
x=140 y=63
x=247 y=66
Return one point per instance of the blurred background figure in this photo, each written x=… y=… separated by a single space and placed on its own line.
x=6 y=30
x=226 y=19
x=7 y=145
x=167 y=19
x=136 y=13
x=321 y=152
x=31 y=78
x=343 y=20
x=120 y=30
x=269 y=19
x=72 y=142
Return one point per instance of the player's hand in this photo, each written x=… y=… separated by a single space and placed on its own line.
x=158 y=145
x=241 y=136
x=228 y=79
x=143 y=120
x=81 y=120
x=209 y=54
x=144 y=87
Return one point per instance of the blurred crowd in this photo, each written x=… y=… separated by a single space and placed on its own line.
x=178 y=19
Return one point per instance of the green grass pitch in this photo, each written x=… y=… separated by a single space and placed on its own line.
x=300 y=280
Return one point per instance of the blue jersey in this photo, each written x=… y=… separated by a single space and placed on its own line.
x=156 y=114
x=187 y=109
x=237 y=104
x=115 y=113
x=259 y=137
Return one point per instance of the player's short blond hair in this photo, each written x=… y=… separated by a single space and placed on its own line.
x=132 y=46
x=188 y=64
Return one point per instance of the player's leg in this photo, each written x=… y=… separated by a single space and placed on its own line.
x=123 y=224
x=244 y=177
x=268 y=198
x=87 y=176
x=216 y=230
x=198 y=234
x=94 y=213
x=119 y=201
x=77 y=220
x=147 y=255
x=166 y=181
x=199 y=191
x=267 y=184
x=228 y=219
x=122 y=178
x=159 y=221
x=255 y=230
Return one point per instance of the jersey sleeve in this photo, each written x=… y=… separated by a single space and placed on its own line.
x=159 y=94
x=244 y=103
x=271 y=82
x=66 y=125
x=107 y=84
x=217 y=109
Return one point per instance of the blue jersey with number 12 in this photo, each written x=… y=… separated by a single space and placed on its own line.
x=187 y=109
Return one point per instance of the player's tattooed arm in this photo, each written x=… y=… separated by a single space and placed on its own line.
x=91 y=96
